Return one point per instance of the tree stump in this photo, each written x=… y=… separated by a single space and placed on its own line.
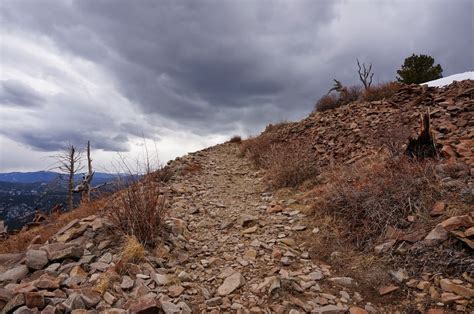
x=424 y=146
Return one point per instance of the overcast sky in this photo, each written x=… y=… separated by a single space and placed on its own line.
x=189 y=74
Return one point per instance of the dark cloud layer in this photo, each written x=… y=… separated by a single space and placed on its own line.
x=217 y=67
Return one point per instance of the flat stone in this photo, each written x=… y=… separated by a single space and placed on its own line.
x=36 y=259
x=344 y=281
x=74 y=302
x=34 y=299
x=448 y=286
x=14 y=303
x=60 y=251
x=388 y=289
x=250 y=230
x=230 y=284
x=127 y=283
x=160 y=279
x=47 y=282
x=438 y=209
x=14 y=274
x=330 y=309
x=226 y=273
x=175 y=291
x=400 y=275
x=288 y=241
x=216 y=301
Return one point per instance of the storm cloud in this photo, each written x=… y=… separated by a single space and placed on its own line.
x=115 y=71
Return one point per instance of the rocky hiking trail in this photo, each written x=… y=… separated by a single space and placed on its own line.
x=243 y=249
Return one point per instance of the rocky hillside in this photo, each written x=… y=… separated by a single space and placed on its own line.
x=236 y=246
x=351 y=132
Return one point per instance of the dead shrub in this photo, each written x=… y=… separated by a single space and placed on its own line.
x=371 y=197
x=235 y=139
x=257 y=148
x=380 y=91
x=140 y=211
x=289 y=164
x=273 y=127
x=327 y=102
x=331 y=101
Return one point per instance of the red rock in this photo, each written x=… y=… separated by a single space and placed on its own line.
x=438 y=209
x=34 y=299
x=357 y=310
x=388 y=289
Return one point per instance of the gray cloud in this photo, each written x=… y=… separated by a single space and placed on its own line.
x=16 y=93
x=218 y=67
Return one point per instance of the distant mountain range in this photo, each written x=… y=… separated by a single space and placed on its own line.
x=49 y=176
x=22 y=192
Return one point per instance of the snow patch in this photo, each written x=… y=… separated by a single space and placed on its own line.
x=449 y=79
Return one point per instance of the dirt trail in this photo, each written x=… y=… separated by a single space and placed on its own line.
x=242 y=251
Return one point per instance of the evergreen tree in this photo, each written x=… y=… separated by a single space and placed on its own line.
x=419 y=69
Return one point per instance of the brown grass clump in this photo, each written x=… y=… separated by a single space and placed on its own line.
x=380 y=91
x=103 y=283
x=257 y=148
x=235 y=139
x=327 y=102
x=371 y=197
x=20 y=241
x=132 y=250
x=140 y=211
x=290 y=164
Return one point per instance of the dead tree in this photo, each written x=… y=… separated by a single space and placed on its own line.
x=87 y=179
x=69 y=163
x=365 y=74
x=85 y=187
x=424 y=146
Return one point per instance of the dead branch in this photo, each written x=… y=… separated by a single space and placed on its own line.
x=365 y=74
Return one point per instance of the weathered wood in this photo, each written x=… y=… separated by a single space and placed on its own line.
x=424 y=146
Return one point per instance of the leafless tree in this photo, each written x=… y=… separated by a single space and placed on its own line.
x=365 y=74
x=69 y=163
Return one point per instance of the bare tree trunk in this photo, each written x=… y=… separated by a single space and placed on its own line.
x=86 y=194
x=69 y=162
x=70 y=195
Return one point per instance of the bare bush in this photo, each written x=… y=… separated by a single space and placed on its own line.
x=372 y=197
x=380 y=91
x=327 y=102
x=140 y=211
x=235 y=139
x=332 y=101
x=257 y=148
x=290 y=164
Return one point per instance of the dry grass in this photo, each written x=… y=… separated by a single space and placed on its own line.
x=257 y=148
x=103 y=283
x=290 y=164
x=132 y=250
x=380 y=91
x=140 y=211
x=373 y=196
x=20 y=241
